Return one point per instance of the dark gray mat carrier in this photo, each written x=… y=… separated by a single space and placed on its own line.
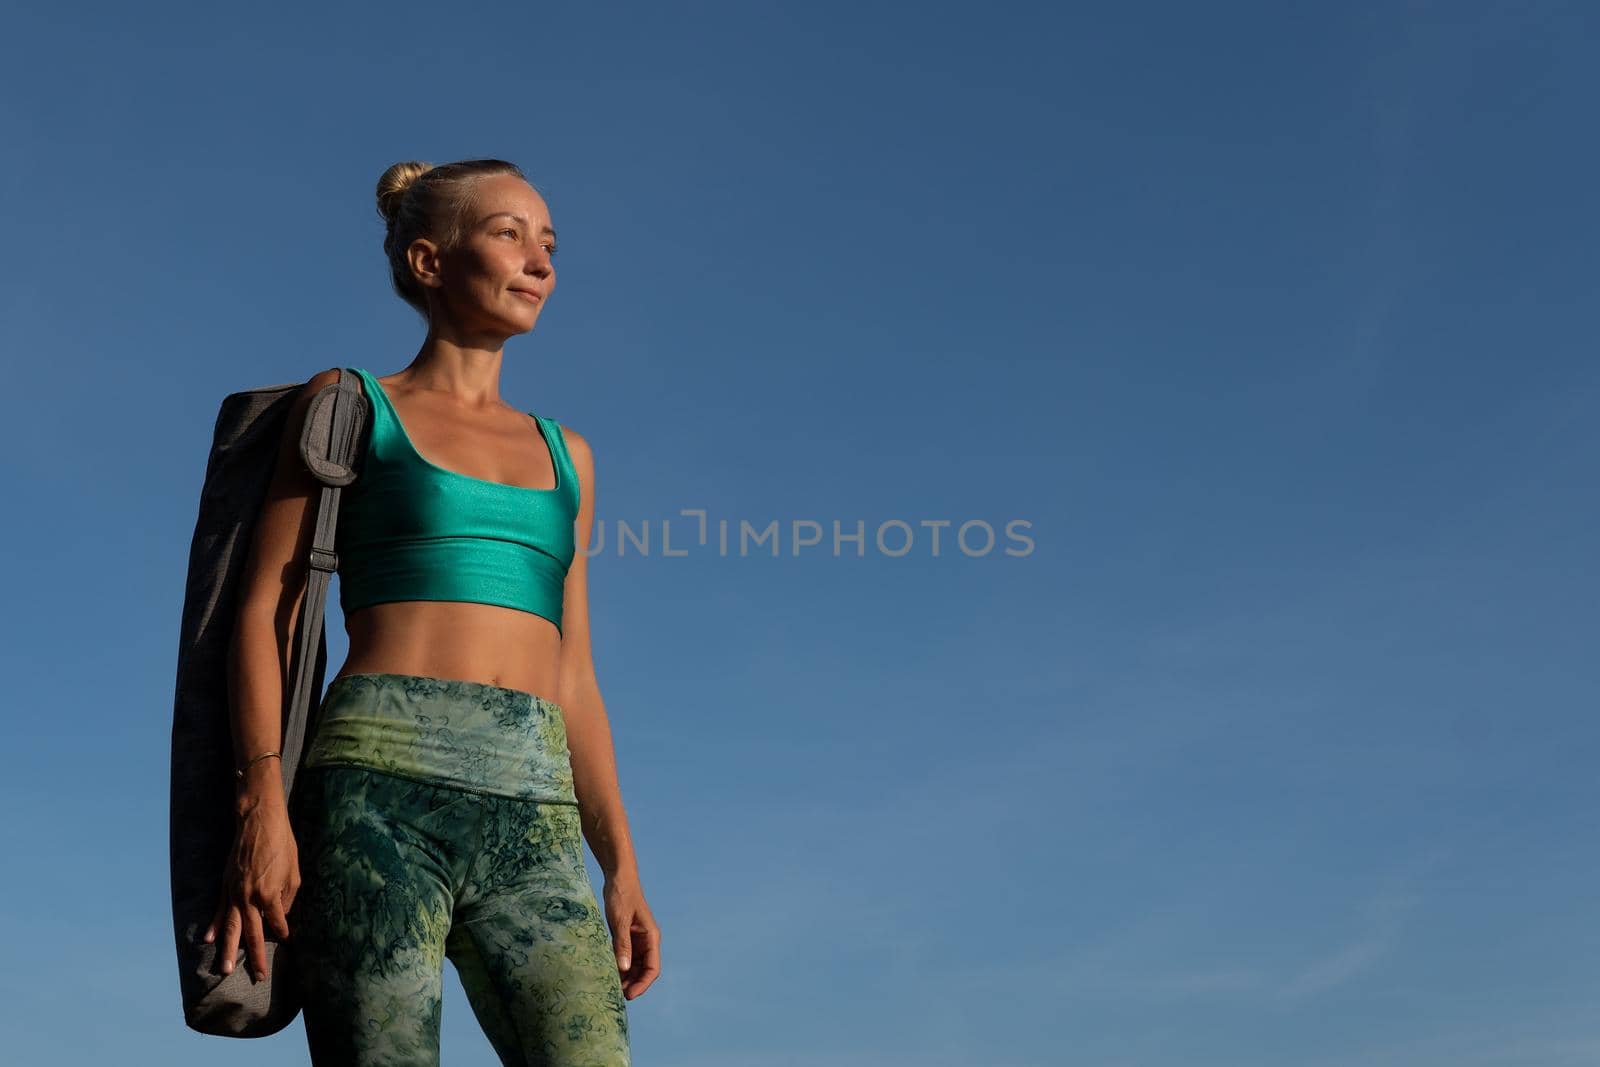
x=244 y=447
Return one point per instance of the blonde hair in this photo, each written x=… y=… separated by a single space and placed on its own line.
x=418 y=199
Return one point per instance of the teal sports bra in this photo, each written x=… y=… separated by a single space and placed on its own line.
x=410 y=530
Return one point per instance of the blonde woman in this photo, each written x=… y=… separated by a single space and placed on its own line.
x=462 y=753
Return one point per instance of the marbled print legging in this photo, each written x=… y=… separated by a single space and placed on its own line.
x=412 y=852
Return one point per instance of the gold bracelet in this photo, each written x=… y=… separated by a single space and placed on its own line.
x=247 y=766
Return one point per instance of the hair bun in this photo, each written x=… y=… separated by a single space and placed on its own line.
x=394 y=183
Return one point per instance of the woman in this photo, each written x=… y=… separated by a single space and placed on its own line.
x=462 y=752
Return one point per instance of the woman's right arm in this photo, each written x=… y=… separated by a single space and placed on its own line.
x=263 y=870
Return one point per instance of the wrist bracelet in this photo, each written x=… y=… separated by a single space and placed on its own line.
x=240 y=773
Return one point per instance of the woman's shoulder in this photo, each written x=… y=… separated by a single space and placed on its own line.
x=321 y=379
x=579 y=458
x=576 y=444
x=568 y=434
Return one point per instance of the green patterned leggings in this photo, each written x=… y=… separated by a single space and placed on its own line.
x=434 y=821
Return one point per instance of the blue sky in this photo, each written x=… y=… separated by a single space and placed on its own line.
x=1274 y=324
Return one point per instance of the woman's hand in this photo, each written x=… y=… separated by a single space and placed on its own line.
x=634 y=934
x=259 y=886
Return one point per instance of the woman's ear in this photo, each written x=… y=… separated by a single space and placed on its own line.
x=424 y=257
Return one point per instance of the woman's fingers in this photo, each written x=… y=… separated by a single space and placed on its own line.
x=255 y=946
x=622 y=944
x=647 y=946
x=244 y=923
x=231 y=926
x=293 y=890
x=216 y=917
x=634 y=935
x=276 y=917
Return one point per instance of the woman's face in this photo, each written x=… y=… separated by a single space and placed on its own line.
x=499 y=279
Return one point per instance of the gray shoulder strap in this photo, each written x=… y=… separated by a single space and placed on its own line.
x=329 y=445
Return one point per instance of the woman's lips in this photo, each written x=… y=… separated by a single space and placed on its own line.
x=530 y=297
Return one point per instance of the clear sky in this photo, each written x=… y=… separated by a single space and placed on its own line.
x=1272 y=325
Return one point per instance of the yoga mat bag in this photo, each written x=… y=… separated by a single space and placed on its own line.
x=244 y=448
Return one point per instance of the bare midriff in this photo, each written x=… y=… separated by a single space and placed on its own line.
x=456 y=639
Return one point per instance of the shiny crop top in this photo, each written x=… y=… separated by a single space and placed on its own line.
x=410 y=530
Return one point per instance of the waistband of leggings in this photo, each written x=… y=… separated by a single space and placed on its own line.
x=446 y=731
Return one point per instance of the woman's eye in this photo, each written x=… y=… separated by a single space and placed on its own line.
x=548 y=248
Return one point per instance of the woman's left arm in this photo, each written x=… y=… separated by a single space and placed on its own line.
x=634 y=934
